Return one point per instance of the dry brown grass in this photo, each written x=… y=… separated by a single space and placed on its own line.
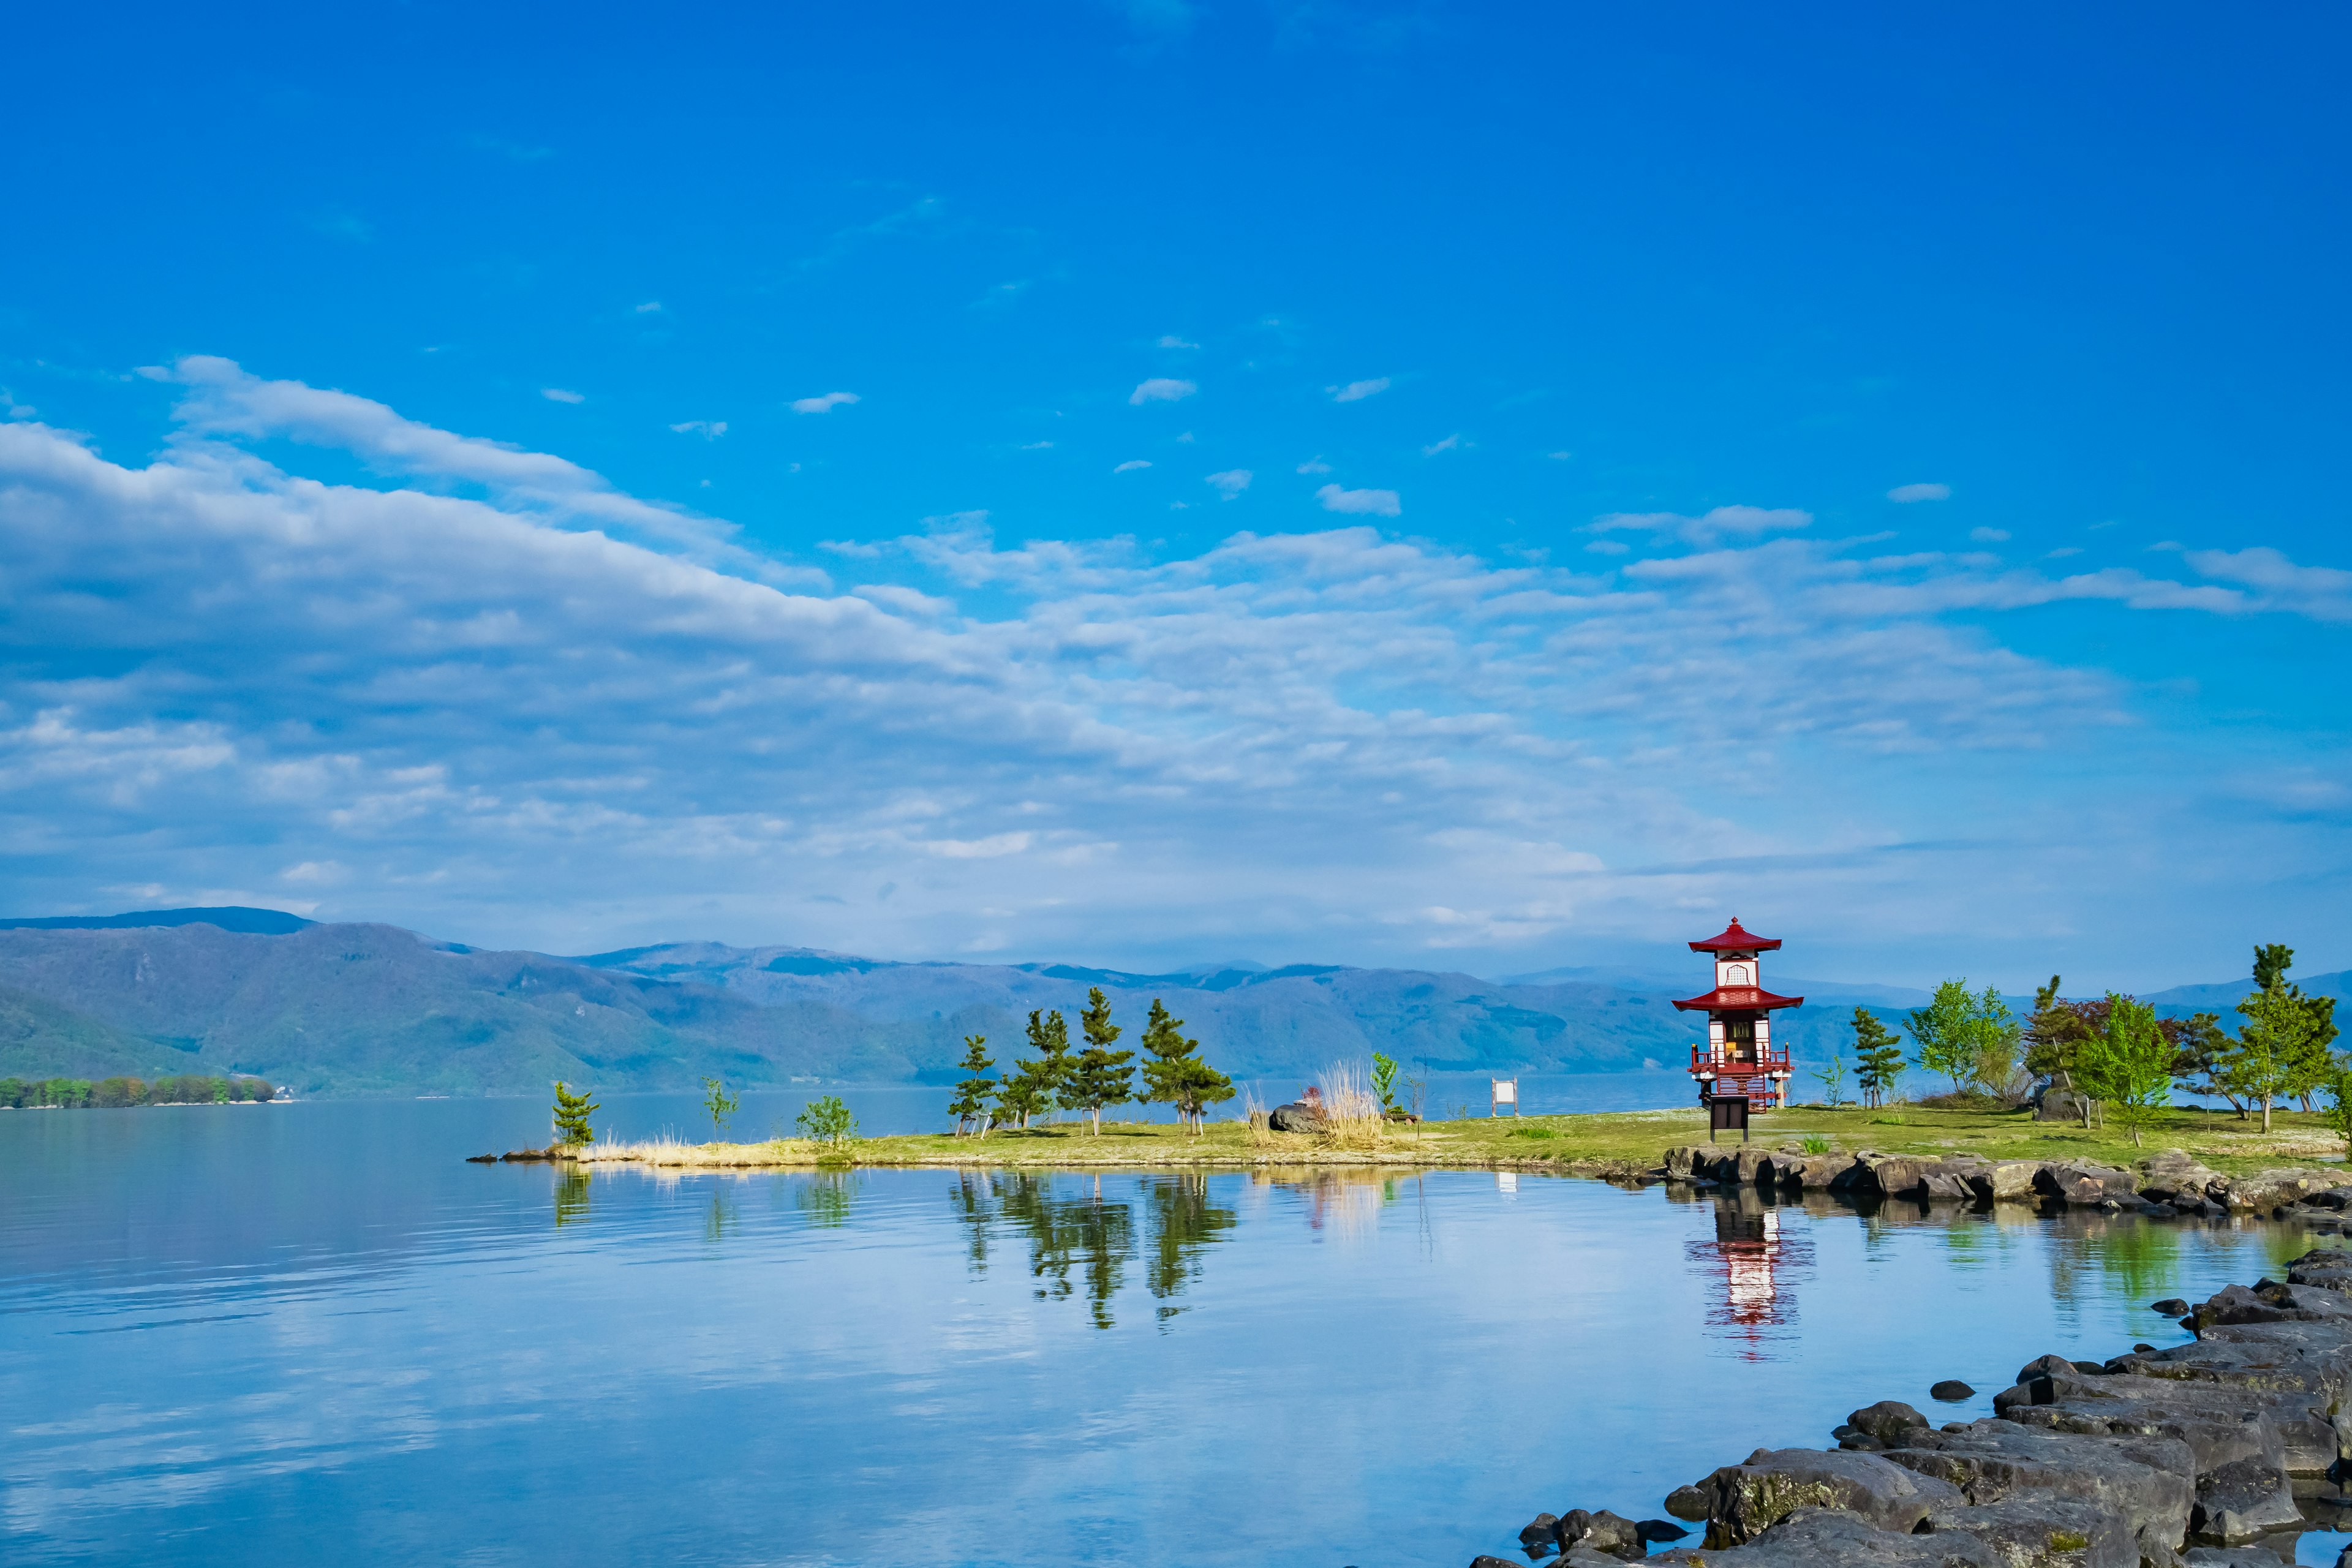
x=1351 y=1111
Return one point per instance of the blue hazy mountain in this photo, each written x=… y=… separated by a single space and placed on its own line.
x=374 y=1009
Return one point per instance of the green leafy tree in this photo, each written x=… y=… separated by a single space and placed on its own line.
x=1833 y=1079
x=1878 y=1057
x=1018 y=1098
x=1036 y=1083
x=1994 y=1032
x=1101 y=1077
x=572 y=1114
x=2130 y=1066
x=721 y=1104
x=826 y=1121
x=977 y=1092
x=2338 y=1108
x=1175 y=1076
x=1942 y=1032
x=2201 y=1055
x=2281 y=1048
x=1384 y=1081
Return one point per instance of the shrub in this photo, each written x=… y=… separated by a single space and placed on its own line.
x=1816 y=1146
x=826 y=1121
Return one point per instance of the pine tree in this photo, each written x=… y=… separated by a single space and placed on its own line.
x=975 y=1093
x=572 y=1114
x=2282 y=1051
x=1174 y=1076
x=1101 y=1077
x=1878 y=1056
x=1035 y=1082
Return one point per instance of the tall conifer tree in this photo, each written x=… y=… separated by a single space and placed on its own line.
x=1174 y=1076
x=978 y=1092
x=1101 y=1077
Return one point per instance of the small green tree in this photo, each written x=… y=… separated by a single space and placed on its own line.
x=1101 y=1077
x=1384 y=1080
x=2281 y=1048
x=975 y=1094
x=1993 y=1035
x=720 y=1104
x=1833 y=1078
x=826 y=1121
x=572 y=1114
x=1175 y=1076
x=1944 y=1032
x=1019 y=1098
x=2338 y=1110
x=2130 y=1066
x=1878 y=1057
x=1036 y=1083
x=2200 y=1054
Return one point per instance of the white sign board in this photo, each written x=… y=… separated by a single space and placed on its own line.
x=1506 y=1091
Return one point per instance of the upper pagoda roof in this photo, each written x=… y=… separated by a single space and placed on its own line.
x=1738 y=999
x=1736 y=939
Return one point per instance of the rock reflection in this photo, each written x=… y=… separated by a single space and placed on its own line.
x=1082 y=1234
x=1348 y=1203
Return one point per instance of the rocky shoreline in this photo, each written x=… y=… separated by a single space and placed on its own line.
x=2220 y=1453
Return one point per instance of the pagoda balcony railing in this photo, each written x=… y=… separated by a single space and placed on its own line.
x=1708 y=1062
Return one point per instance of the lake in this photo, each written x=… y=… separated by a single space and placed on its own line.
x=312 y=1333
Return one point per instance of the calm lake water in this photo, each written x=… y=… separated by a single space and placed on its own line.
x=310 y=1333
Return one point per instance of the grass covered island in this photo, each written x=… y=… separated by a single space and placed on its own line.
x=1619 y=1145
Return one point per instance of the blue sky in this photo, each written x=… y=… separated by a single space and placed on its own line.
x=1481 y=487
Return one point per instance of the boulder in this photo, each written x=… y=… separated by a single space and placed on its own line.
x=1542 y=1529
x=1613 y=1534
x=2169 y=1175
x=1745 y=1501
x=1890 y=1421
x=2240 y=1500
x=2041 y=1529
x=1682 y=1160
x=1811 y=1538
x=1892 y=1175
x=1954 y=1178
x=2219 y=1424
x=1483 y=1560
x=2171 y=1307
x=2329 y=1267
x=2266 y=1190
x=2005 y=1181
x=2060 y=1103
x=2150 y=1481
x=1656 y=1530
x=2231 y=1557
x=2270 y=1302
x=1297 y=1116
x=1951 y=1390
x=2085 y=1185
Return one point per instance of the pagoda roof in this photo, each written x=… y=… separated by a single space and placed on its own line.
x=1737 y=939
x=1738 y=999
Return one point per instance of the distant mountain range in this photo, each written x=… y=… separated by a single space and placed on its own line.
x=371 y=1009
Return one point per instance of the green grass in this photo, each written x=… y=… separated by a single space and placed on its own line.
x=1616 y=1142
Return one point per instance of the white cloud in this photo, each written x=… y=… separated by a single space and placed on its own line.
x=1036 y=445
x=1162 y=389
x=1131 y=465
x=709 y=429
x=1314 y=466
x=1560 y=456
x=1723 y=522
x=1172 y=341
x=559 y=394
x=825 y=404
x=1908 y=493
x=1990 y=535
x=476 y=716
x=1374 y=503
x=651 y=307
x=1356 y=391
x=2063 y=551
x=1230 y=483
x=1448 y=445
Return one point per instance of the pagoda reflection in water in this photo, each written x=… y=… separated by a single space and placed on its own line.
x=1756 y=1261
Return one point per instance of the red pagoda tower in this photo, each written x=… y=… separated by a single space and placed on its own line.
x=1738 y=1058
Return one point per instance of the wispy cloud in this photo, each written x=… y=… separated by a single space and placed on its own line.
x=1314 y=466
x=1172 y=341
x=1356 y=391
x=1162 y=389
x=650 y=308
x=1131 y=465
x=1230 y=483
x=823 y=403
x=1990 y=535
x=1447 y=445
x=1371 y=503
x=1723 y=522
x=709 y=429
x=561 y=395
x=1908 y=493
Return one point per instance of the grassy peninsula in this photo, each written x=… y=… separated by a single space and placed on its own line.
x=1599 y=1144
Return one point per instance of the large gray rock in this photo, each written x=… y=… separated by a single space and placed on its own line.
x=2170 y=1174
x=1954 y=1178
x=1890 y=1421
x=1295 y=1117
x=2219 y=1424
x=2085 y=1186
x=1544 y=1527
x=2149 y=1481
x=1892 y=1175
x=2271 y=1302
x=2041 y=1529
x=1613 y=1534
x=1820 y=1538
x=1682 y=1160
x=2006 y=1181
x=2242 y=1501
x=1744 y=1500
x=2060 y=1103
x=2231 y=1557
x=2266 y=1190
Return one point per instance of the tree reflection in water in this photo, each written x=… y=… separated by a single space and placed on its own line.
x=1756 y=1262
x=824 y=1197
x=1077 y=1226
x=570 y=1196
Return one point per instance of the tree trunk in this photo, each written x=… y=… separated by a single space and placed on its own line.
x=2266 y=1113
